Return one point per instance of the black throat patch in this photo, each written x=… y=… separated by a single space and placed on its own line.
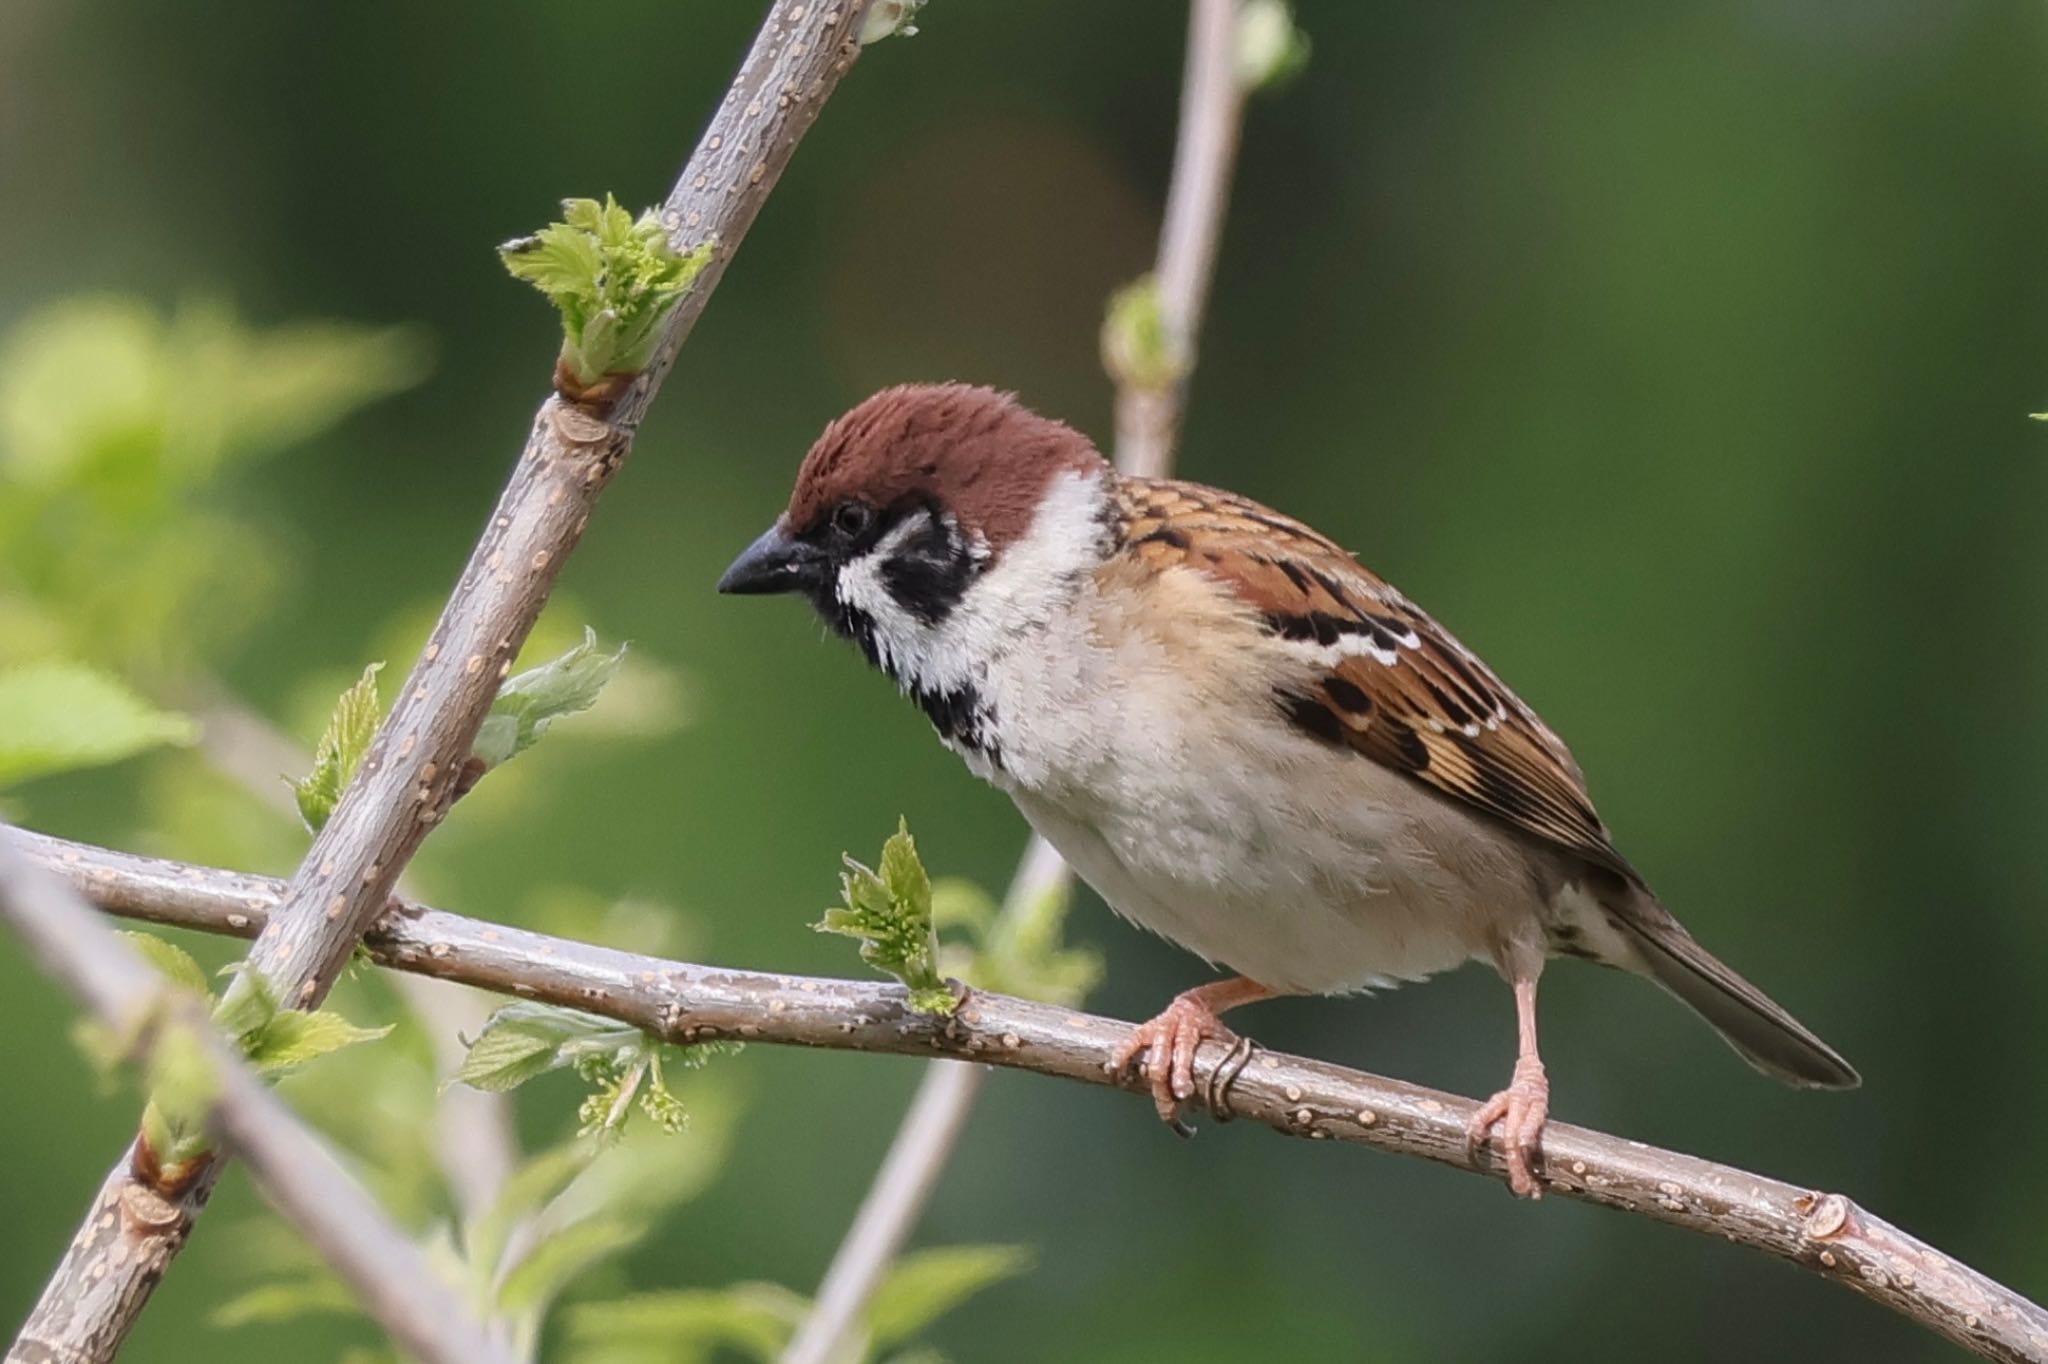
x=925 y=576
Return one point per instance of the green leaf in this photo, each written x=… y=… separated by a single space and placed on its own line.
x=248 y=1004
x=57 y=716
x=925 y=1285
x=291 y=1038
x=890 y=913
x=563 y=1254
x=286 y=1300
x=756 y=1319
x=508 y=1053
x=614 y=279
x=1024 y=953
x=528 y=703
x=960 y=903
x=95 y=386
x=172 y=961
x=625 y=1067
x=557 y=260
x=532 y=1185
x=522 y=1040
x=341 y=749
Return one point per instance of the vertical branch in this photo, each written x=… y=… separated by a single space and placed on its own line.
x=419 y=762
x=1205 y=151
x=296 y=1172
x=1148 y=423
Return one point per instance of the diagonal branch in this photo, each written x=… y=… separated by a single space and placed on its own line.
x=419 y=762
x=298 y=1174
x=1148 y=423
x=1824 y=1232
x=474 y=1141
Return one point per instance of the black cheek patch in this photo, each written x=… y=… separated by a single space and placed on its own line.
x=929 y=572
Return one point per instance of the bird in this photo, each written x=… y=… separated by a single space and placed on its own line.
x=1243 y=739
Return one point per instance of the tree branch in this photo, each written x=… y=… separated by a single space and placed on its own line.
x=683 y=1003
x=1205 y=150
x=416 y=767
x=1148 y=424
x=298 y=1175
x=474 y=1141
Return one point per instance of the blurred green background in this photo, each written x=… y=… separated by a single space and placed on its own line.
x=1677 y=356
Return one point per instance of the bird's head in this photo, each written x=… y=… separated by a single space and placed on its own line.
x=914 y=503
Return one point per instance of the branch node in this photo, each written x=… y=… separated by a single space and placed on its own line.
x=1830 y=1217
x=147 y=1210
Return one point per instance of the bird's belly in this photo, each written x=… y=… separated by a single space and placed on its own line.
x=1303 y=891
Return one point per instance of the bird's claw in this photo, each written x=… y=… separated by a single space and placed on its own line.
x=1169 y=1044
x=1521 y=1109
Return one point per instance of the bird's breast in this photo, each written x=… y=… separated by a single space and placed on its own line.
x=1149 y=753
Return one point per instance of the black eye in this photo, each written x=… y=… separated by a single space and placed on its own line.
x=850 y=520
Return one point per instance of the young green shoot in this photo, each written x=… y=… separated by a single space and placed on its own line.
x=340 y=750
x=626 y=1068
x=889 y=912
x=531 y=701
x=614 y=279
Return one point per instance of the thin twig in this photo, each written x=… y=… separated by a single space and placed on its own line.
x=1205 y=150
x=684 y=1003
x=903 y=1185
x=417 y=765
x=296 y=1172
x=917 y=1155
x=1148 y=425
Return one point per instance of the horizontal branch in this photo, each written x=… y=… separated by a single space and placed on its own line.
x=296 y=1172
x=683 y=1003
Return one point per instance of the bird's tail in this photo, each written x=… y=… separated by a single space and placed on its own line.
x=1750 y=1021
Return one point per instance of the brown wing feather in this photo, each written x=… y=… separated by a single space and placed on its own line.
x=1378 y=674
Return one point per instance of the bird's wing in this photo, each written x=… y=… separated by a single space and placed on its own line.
x=1378 y=674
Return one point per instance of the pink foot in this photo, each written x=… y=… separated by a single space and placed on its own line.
x=1521 y=1110
x=1169 y=1043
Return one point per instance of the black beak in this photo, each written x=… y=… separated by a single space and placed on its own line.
x=777 y=562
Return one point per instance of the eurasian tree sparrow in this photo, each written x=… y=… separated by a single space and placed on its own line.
x=1238 y=736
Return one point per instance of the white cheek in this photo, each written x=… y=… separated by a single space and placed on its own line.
x=899 y=636
x=1015 y=641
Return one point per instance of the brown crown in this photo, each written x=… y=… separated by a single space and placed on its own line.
x=979 y=453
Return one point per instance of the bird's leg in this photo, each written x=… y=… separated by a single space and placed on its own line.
x=1171 y=1040
x=1523 y=1107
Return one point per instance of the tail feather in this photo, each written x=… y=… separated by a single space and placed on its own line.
x=1759 y=1029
